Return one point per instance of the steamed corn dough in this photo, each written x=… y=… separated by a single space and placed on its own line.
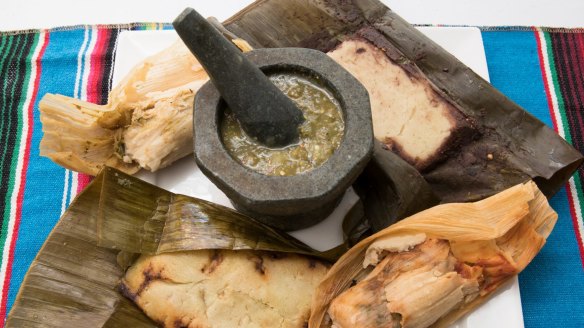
x=219 y=288
x=408 y=115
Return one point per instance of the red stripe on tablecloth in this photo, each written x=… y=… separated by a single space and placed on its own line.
x=96 y=66
x=540 y=54
x=26 y=156
x=580 y=44
x=82 y=181
x=94 y=83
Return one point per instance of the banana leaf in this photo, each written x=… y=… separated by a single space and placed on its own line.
x=73 y=281
x=500 y=145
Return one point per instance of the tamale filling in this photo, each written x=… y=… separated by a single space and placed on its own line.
x=413 y=288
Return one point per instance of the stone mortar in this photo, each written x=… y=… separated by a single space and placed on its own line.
x=288 y=202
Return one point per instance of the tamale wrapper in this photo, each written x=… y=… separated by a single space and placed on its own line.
x=513 y=225
x=521 y=147
x=74 y=280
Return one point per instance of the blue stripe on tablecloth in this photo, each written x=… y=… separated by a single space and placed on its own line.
x=44 y=180
x=552 y=286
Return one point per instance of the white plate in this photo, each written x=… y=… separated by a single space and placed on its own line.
x=504 y=310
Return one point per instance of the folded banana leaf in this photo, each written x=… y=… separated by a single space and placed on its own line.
x=489 y=143
x=389 y=190
x=73 y=281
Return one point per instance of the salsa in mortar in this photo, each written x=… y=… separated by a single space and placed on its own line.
x=320 y=134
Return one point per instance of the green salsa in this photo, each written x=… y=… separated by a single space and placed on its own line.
x=320 y=134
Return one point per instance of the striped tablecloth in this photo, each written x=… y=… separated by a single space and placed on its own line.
x=541 y=69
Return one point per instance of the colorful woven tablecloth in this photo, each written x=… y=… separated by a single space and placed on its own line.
x=541 y=69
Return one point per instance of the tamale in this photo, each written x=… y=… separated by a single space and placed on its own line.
x=74 y=280
x=408 y=116
x=145 y=124
x=481 y=143
x=430 y=269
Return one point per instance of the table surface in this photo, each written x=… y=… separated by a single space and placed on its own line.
x=27 y=14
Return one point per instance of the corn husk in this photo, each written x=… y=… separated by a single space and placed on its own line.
x=512 y=225
x=147 y=122
x=73 y=139
x=73 y=281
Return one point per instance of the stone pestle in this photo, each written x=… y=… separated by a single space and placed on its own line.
x=263 y=111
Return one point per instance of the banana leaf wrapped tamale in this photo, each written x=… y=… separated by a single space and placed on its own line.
x=466 y=138
x=430 y=269
x=75 y=279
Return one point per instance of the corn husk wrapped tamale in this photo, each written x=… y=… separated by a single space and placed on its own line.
x=437 y=265
x=74 y=280
x=145 y=124
x=466 y=138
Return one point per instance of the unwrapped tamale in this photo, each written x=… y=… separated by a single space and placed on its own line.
x=222 y=288
x=430 y=269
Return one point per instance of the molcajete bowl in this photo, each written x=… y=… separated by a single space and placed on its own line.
x=298 y=201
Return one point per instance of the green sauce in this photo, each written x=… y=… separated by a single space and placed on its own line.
x=320 y=134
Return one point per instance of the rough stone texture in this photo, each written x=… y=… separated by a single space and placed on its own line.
x=264 y=112
x=289 y=202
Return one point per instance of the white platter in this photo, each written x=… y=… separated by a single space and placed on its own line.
x=503 y=310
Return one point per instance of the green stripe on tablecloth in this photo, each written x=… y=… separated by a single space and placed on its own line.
x=22 y=93
x=18 y=91
x=3 y=72
x=5 y=172
x=3 y=44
